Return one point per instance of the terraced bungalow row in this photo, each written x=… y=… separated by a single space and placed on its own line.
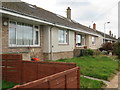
x=36 y=32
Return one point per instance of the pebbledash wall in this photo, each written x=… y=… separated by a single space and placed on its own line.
x=52 y=49
x=49 y=48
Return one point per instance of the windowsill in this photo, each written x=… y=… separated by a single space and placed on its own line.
x=80 y=46
x=94 y=44
x=21 y=46
x=63 y=44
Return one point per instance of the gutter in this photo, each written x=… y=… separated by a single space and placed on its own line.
x=14 y=13
x=110 y=39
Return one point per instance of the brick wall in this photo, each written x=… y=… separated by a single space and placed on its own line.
x=36 y=51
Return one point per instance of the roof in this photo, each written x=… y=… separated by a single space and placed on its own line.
x=106 y=35
x=34 y=11
x=42 y=14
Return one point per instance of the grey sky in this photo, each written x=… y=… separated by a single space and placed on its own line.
x=85 y=12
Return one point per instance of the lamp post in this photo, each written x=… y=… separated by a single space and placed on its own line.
x=104 y=30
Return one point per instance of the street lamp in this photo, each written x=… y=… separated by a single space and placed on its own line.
x=104 y=30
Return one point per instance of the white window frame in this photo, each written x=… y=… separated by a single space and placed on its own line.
x=93 y=42
x=81 y=40
x=67 y=38
x=15 y=45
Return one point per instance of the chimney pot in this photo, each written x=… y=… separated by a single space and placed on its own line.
x=112 y=35
x=68 y=13
x=110 y=32
x=94 y=26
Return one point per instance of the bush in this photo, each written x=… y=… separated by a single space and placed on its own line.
x=104 y=52
x=116 y=49
x=97 y=52
x=86 y=52
x=106 y=47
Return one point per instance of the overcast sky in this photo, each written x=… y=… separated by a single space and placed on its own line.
x=85 y=12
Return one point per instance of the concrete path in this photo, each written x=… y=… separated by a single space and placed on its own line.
x=107 y=82
x=114 y=82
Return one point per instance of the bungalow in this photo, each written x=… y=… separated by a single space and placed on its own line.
x=36 y=32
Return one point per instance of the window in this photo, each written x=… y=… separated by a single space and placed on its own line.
x=63 y=36
x=80 y=40
x=93 y=40
x=21 y=34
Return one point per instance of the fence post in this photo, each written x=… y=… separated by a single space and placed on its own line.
x=78 y=78
x=5 y=60
x=65 y=82
x=21 y=62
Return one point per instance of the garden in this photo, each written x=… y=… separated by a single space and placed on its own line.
x=100 y=66
x=94 y=64
x=97 y=64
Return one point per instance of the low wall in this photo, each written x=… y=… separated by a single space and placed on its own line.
x=58 y=55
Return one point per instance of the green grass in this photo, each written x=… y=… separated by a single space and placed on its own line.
x=89 y=83
x=6 y=85
x=101 y=67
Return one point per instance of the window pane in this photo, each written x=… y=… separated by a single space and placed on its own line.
x=36 y=37
x=78 y=40
x=83 y=40
x=12 y=32
x=12 y=35
x=93 y=40
x=19 y=34
x=28 y=35
x=61 y=36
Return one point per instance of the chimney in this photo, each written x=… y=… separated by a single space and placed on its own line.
x=68 y=13
x=114 y=36
x=110 y=32
x=94 y=26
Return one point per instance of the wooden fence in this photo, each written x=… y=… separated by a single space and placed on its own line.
x=11 y=67
x=66 y=79
x=16 y=70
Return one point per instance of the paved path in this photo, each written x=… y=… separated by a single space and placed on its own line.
x=114 y=82
x=107 y=82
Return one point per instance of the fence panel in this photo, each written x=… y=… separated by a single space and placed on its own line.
x=67 y=79
x=29 y=71
x=11 y=67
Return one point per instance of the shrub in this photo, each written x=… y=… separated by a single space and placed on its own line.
x=116 y=49
x=104 y=52
x=97 y=52
x=106 y=47
x=86 y=52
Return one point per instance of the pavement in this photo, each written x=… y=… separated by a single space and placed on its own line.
x=114 y=82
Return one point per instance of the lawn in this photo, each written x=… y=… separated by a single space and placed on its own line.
x=101 y=67
x=6 y=85
x=89 y=83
